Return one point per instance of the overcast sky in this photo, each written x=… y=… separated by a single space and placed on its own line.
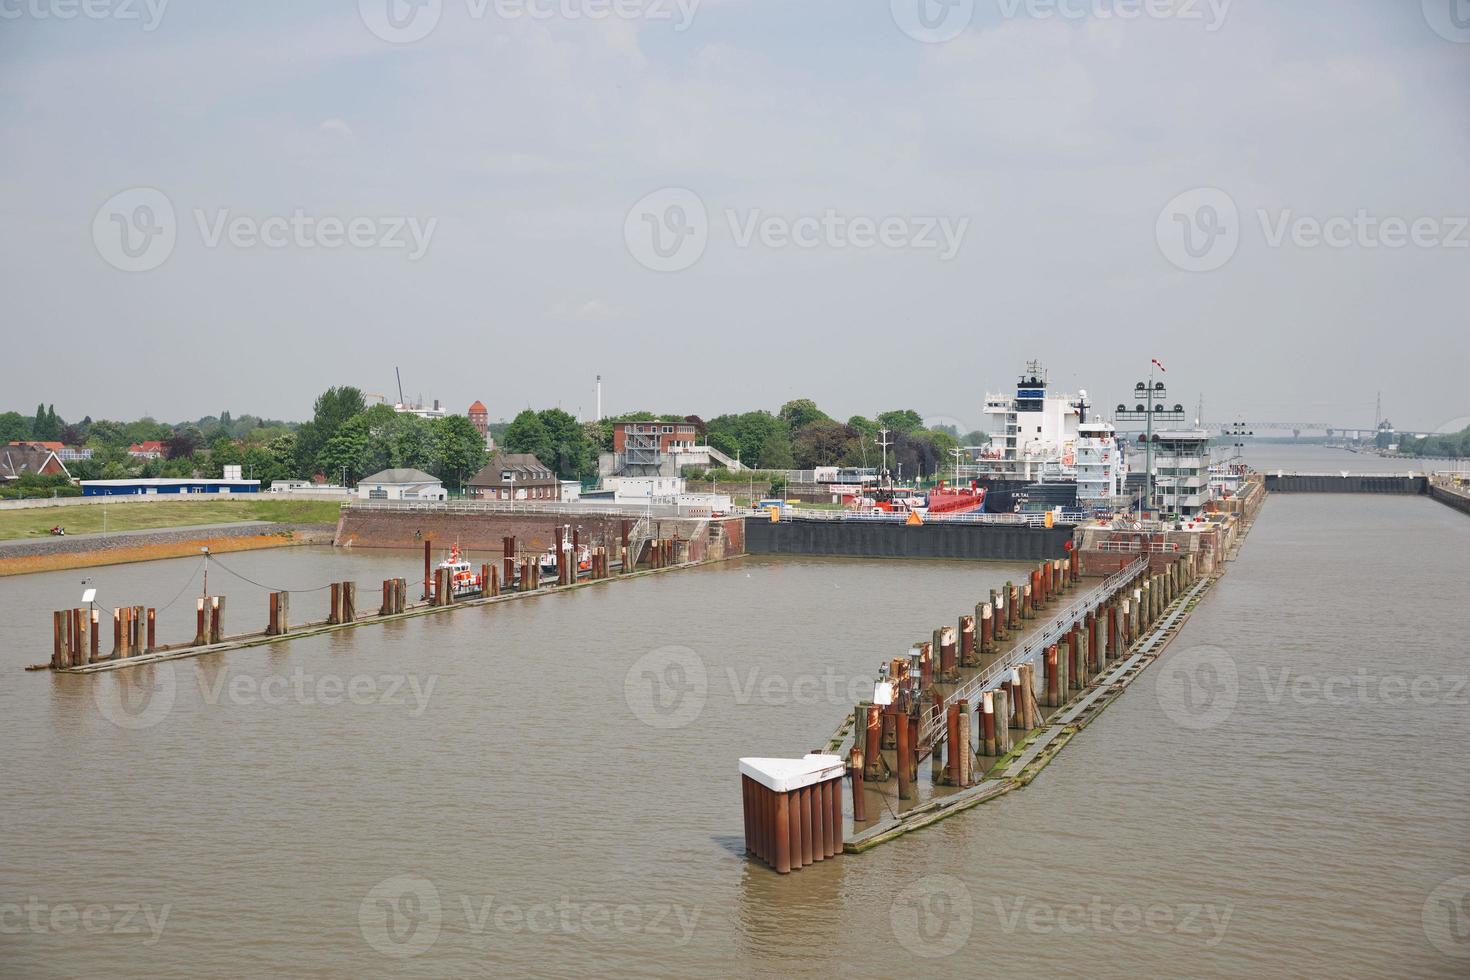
x=724 y=205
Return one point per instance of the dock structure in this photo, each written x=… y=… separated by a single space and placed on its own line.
x=988 y=706
x=76 y=646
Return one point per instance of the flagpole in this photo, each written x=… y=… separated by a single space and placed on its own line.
x=1148 y=444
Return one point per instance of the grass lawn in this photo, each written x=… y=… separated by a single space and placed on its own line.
x=86 y=518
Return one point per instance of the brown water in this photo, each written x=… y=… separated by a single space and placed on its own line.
x=549 y=786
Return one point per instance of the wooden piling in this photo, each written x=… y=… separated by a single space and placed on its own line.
x=334 y=616
x=349 y=602
x=201 y=624
x=216 y=618
x=987 y=723
x=967 y=751
x=1053 y=699
x=905 y=750
x=508 y=560
x=428 y=565
x=969 y=653
x=855 y=767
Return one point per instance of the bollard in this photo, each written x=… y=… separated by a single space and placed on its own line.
x=875 y=768
x=201 y=628
x=967 y=751
x=949 y=671
x=855 y=769
x=905 y=777
x=1050 y=665
x=969 y=653
x=1074 y=659
x=987 y=723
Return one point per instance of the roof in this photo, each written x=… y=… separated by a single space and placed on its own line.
x=478 y=408
x=151 y=446
x=526 y=468
x=55 y=447
x=167 y=481
x=403 y=476
x=18 y=461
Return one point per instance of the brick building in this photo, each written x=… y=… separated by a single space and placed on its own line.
x=514 y=476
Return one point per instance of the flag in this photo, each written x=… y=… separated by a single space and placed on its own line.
x=1156 y=363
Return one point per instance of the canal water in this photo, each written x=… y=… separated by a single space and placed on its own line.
x=548 y=786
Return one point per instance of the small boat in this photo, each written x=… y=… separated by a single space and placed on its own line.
x=464 y=579
x=584 y=559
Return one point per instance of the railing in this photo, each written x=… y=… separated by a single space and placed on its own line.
x=1138 y=547
x=510 y=507
x=885 y=517
x=932 y=730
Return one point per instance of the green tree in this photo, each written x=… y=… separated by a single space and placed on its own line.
x=901 y=420
x=527 y=434
x=223 y=452
x=801 y=412
x=570 y=450
x=459 y=449
x=14 y=427
x=331 y=411
x=826 y=443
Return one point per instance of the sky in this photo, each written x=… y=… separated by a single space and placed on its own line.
x=721 y=205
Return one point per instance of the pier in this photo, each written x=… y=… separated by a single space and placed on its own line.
x=989 y=701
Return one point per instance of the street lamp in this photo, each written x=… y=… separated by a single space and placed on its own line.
x=1149 y=406
x=956 y=452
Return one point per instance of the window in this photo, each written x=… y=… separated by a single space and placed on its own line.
x=507 y=476
x=668 y=428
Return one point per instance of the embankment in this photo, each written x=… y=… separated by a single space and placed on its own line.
x=120 y=547
x=936 y=539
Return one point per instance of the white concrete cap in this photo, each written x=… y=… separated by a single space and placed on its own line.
x=785 y=775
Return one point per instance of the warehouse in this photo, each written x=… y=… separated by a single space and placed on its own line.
x=163 y=485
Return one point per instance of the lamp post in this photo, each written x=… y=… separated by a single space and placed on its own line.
x=956 y=452
x=1150 y=397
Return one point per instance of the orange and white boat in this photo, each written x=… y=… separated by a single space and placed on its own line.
x=464 y=578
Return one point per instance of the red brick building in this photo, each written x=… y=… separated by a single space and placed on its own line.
x=666 y=436
x=514 y=476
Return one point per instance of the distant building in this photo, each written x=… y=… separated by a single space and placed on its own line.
x=514 y=476
x=18 y=460
x=661 y=447
x=1181 y=460
x=401 y=484
x=422 y=411
x=145 y=486
x=480 y=418
x=152 y=449
x=67 y=454
x=308 y=489
x=1102 y=467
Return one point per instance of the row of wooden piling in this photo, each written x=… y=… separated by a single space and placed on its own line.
x=76 y=639
x=980 y=730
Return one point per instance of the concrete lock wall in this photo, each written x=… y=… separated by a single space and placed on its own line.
x=1332 y=483
x=861 y=539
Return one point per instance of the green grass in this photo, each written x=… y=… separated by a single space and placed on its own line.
x=87 y=518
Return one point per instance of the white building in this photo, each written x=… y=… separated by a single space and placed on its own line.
x=422 y=411
x=1033 y=434
x=401 y=484
x=1181 y=471
x=1101 y=466
x=308 y=490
